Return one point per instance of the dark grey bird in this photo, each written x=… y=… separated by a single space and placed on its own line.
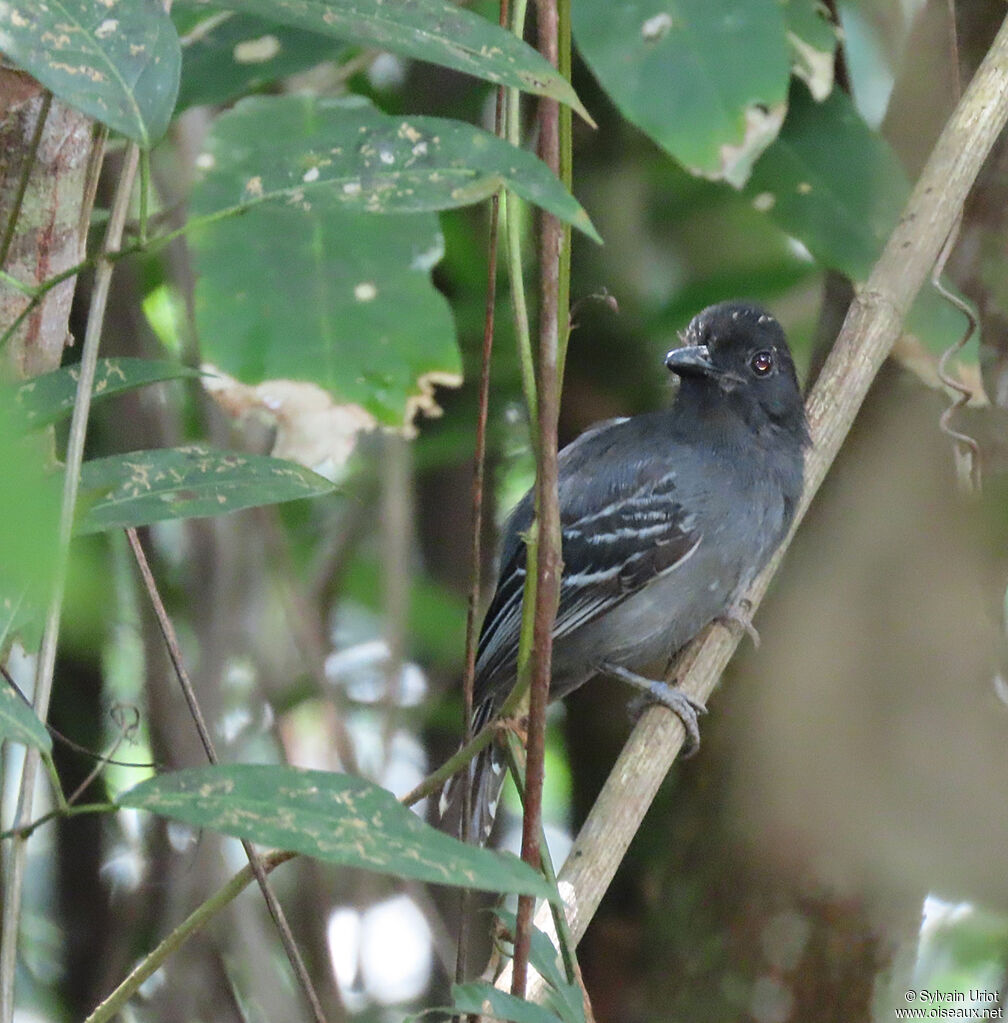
x=665 y=517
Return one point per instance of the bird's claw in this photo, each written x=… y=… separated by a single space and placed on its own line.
x=740 y=615
x=688 y=710
x=672 y=697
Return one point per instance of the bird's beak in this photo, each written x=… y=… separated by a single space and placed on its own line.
x=691 y=361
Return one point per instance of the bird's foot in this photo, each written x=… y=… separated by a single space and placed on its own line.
x=651 y=692
x=740 y=615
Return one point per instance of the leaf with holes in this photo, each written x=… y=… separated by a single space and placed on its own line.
x=46 y=399
x=308 y=153
x=836 y=186
x=142 y=487
x=438 y=31
x=708 y=82
x=18 y=722
x=813 y=41
x=311 y=285
x=237 y=54
x=338 y=299
x=116 y=60
x=338 y=818
x=831 y=182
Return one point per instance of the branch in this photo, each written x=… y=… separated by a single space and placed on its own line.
x=14 y=876
x=548 y=564
x=255 y=860
x=871 y=327
x=199 y=918
x=476 y=542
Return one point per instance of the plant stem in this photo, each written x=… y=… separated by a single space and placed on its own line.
x=12 y=282
x=547 y=562
x=62 y=811
x=255 y=860
x=871 y=327
x=202 y=915
x=22 y=187
x=565 y=171
x=145 y=188
x=479 y=454
x=568 y=946
x=14 y=874
x=456 y=763
x=512 y=211
x=476 y=517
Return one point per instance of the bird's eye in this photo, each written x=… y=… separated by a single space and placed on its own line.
x=762 y=362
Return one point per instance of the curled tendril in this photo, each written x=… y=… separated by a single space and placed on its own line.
x=967 y=450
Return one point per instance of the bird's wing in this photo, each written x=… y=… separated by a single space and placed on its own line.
x=622 y=529
x=619 y=549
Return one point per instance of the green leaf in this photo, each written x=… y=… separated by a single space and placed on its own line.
x=562 y=996
x=30 y=514
x=115 y=60
x=831 y=182
x=230 y=54
x=437 y=31
x=18 y=722
x=333 y=817
x=12 y=614
x=22 y=615
x=50 y=397
x=304 y=151
x=309 y=286
x=813 y=41
x=484 y=999
x=836 y=186
x=142 y=487
x=341 y=299
x=708 y=84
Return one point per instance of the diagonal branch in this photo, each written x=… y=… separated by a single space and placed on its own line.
x=116 y=1002
x=255 y=860
x=872 y=325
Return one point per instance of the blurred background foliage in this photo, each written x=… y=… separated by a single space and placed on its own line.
x=839 y=837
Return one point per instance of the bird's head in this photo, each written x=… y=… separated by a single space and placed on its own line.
x=736 y=353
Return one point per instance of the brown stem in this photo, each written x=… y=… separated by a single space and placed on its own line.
x=548 y=564
x=14 y=873
x=479 y=455
x=872 y=325
x=199 y=918
x=255 y=861
x=479 y=476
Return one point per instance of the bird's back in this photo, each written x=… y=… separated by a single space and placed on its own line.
x=642 y=522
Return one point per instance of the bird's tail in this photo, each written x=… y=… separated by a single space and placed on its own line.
x=483 y=779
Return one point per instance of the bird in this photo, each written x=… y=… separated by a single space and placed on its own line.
x=666 y=517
